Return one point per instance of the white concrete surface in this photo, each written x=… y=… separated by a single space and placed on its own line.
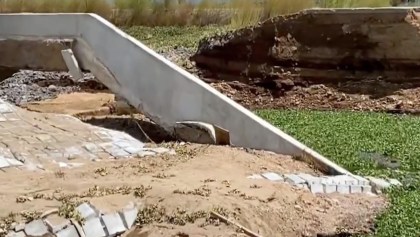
x=159 y=88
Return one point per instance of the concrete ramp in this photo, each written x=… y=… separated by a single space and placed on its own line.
x=160 y=89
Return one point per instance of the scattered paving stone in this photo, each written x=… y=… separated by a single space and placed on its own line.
x=378 y=184
x=113 y=223
x=367 y=189
x=309 y=178
x=344 y=184
x=87 y=211
x=343 y=188
x=36 y=228
x=355 y=189
x=19 y=227
x=255 y=176
x=70 y=231
x=16 y=234
x=129 y=216
x=272 y=176
x=316 y=188
x=394 y=182
x=294 y=179
x=330 y=188
x=93 y=228
x=361 y=181
x=56 y=223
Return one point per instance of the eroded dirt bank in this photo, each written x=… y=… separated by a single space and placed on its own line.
x=358 y=59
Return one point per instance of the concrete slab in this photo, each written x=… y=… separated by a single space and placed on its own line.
x=72 y=64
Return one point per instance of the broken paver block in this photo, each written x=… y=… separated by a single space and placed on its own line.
x=330 y=188
x=129 y=216
x=355 y=189
x=361 y=181
x=70 y=231
x=294 y=179
x=343 y=188
x=19 y=227
x=255 y=176
x=367 y=189
x=16 y=234
x=72 y=64
x=272 y=176
x=113 y=223
x=309 y=178
x=345 y=179
x=36 y=228
x=378 y=184
x=56 y=223
x=316 y=188
x=87 y=211
x=5 y=108
x=3 y=162
x=93 y=228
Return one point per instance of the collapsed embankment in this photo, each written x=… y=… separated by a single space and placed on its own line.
x=319 y=46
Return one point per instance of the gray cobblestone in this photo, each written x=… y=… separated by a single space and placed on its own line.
x=70 y=231
x=316 y=188
x=16 y=234
x=294 y=179
x=272 y=176
x=129 y=216
x=355 y=189
x=87 y=211
x=113 y=224
x=36 y=139
x=309 y=178
x=343 y=188
x=36 y=228
x=93 y=228
x=330 y=188
x=378 y=184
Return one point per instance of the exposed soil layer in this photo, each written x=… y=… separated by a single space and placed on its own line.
x=326 y=59
x=196 y=180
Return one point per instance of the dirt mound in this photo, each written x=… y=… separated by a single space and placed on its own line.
x=359 y=59
x=177 y=190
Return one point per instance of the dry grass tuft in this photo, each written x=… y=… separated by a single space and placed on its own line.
x=180 y=12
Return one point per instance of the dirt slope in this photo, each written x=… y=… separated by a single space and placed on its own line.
x=323 y=59
x=199 y=178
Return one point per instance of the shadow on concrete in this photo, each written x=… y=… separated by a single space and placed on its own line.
x=134 y=127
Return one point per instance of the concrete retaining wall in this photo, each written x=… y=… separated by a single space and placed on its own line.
x=159 y=88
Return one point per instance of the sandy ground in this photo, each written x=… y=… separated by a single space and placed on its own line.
x=177 y=189
x=77 y=103
x=199 y=178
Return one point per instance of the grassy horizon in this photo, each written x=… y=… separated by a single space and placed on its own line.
x=180 y=12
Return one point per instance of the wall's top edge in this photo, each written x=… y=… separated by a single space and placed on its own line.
x=362 y=10
x=45 y=14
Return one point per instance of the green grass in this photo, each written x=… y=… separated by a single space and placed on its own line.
x=341 y=136
x=169 y=37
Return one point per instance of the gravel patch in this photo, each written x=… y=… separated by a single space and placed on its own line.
x=27 y=86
